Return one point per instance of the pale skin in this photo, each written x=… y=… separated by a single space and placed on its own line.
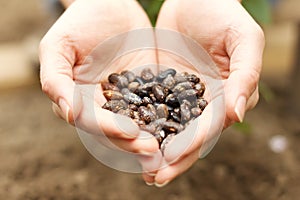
x=226 y=31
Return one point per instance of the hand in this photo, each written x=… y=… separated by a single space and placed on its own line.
x=73 y=85
x=235 y=43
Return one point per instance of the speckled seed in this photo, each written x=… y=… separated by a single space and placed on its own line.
x=202 y=103
x=159 y=93
x=112 y=95
x=190 y=95
x=139 y=122
x=163 y=74
x=146 y=115
x=133 y=99
x=109 y=86
x=122 y=82
x=133 y=107
x=185 y=111
x=196 y=111
x=162 y=111
x=200 y=87
x=193 y=78
x=147 y=75
x=151 y=108
x=129 y=75
x=151 y=128
x=180 y=87
x=179 y=78
x=146 y=101
x=115 y=105
x=133 y=86
x=169 y=81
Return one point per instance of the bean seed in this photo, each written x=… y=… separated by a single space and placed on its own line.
x=147 y=75
x=169 y=81
x=162 y=111
x=109 y=86
x=162 y=75
x=112 y=95
x=202 y=103
x=129 y=75
x=196 y=111
x=133 y=99
x=133 y=86
x=159 y=93
x=115 y=105
x=200 y=87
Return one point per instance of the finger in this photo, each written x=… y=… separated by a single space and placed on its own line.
x=206 y=127
x=57 y=59
x=167 y=174
x=151 y=164
x=144 y=144
x=245 y=67
x=149 y=180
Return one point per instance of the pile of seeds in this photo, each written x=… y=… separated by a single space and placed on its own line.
x=162 y=105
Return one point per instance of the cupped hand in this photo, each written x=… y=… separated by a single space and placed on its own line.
x=235 y=43
x=73 y=84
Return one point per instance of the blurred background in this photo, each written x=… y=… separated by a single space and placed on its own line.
x=43 y=158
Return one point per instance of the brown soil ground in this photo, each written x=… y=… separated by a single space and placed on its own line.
x=42 y=157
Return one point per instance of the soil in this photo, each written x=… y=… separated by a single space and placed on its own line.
x=42 y=157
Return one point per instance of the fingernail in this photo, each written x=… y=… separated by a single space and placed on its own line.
x=65 y=109
x=151 y=174
x=240 y=108
x=161 y=185
x=127 y=126
x=150 y=184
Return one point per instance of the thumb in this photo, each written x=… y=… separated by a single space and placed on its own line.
x=241 y=91
x=57 y=60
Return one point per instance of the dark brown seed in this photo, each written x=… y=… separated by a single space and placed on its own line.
x=180 y=87
x=175 y=117
x=133 y=86
x=200 y=87
x=159 y=122
x=162 y=111
x=171 y=100
x=133 y=99
x=129 y=75
x=159 y=93
x=146 y=115
x=151 y=128
x=115 y=105
x=172 y=127
x=133 y=107
x=169 y=81
x=146 y=101
x=162 y=75
x=147 y=75
x=196 y=111
x=202 y=103
x=113 y=78
x=151 y=108
x=112 y=95
x=109 y=86
x=126 y=112
x=193 y=78
x=136 y=115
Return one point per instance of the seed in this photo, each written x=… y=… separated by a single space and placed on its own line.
x=133 y=99
x=133 y=107
x=179 y=78
x=185 y=111
x=200 y=87
x=202 y=103
x=180 y=87
x=146 y=101
x=171 y=100
x=166 y=141
x=162 y=111
x=109 y=86
x=112 y=95
x=175 y=117
x=139 y=80
x=125 y=91
x=169 y=81
x=162 y=75
x=147 y=75
x=159 y=93
x=146 y=115
x=122 y=82
x=193 y=78
x=113 y=78
x=172 y=127
x=196 y=111
x=189 y=95
x=115 y=105
x=133 y=86
x=129 y=75
x=151 y=128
